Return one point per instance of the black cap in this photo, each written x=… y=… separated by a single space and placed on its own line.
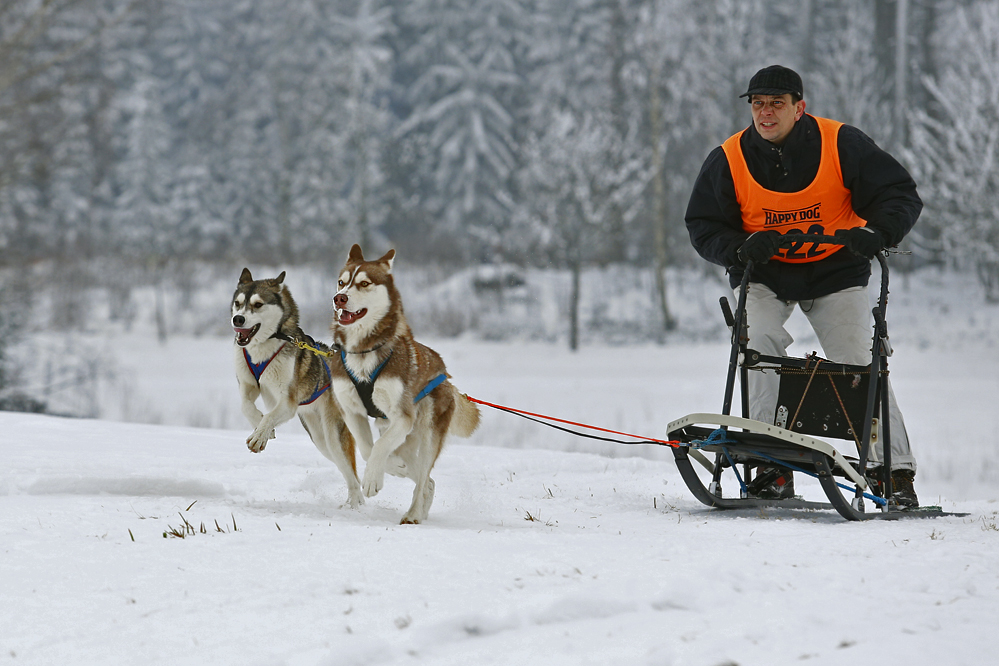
x=775 y=80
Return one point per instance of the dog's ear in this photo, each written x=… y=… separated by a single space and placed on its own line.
x=389 y=259
x=279 y=279
x=245 y=276
x=355 y=256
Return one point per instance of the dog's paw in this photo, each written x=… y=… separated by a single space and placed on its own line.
x=355 y=498
x=256 y=446
x=257 y=441
x=420 y=509
x=374 y=479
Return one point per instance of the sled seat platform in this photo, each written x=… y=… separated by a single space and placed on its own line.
x=740 y=441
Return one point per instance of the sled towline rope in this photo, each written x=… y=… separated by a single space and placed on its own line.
x=544 y=420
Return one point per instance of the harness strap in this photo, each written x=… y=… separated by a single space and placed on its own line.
x=320 y=386
x=365 y=388
x=434 y=383
x=257 y=369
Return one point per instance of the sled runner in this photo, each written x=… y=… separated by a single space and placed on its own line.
x=817 y=400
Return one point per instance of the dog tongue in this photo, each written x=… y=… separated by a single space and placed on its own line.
x=348 y=317
x=243 y=335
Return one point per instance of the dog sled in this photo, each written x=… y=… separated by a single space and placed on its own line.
x=818 y=401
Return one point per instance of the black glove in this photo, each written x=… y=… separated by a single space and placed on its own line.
x=862 y=241
x=759 y=247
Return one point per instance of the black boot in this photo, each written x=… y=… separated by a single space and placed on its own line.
x=903 y=495
x=772 y=483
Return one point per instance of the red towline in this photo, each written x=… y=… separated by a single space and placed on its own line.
x=673 y=443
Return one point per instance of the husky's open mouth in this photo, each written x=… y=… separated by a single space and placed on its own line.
x=244 y=335
x=346 y=317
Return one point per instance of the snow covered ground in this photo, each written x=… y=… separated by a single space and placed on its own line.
x=541 y=548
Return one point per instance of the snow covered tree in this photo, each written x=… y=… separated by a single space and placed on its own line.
x=569 y=187
x=362 y=69
x=54 y=156
x=955 y=146
x=735 y=44
x=53 y=94
x=847 y=82
x=668 y=45
x=586 y=165
x=462 y=119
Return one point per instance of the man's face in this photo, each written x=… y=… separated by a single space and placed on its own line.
x=774 y=116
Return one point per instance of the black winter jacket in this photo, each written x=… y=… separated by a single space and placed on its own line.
x=882 y=190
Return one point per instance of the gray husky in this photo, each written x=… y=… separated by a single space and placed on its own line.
x=289 y=379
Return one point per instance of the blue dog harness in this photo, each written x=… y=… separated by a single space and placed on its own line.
x=257 y=370
x=366 y=388
x=434 y=383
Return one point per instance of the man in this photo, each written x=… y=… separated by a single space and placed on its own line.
x=790 y=172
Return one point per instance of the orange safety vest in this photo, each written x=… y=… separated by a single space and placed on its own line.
x=821 y=208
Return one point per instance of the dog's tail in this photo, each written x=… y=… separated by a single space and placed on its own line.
x=466 y=415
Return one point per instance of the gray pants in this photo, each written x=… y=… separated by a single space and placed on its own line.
x=843 y=323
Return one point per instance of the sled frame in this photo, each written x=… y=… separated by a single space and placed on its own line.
x=743 y=441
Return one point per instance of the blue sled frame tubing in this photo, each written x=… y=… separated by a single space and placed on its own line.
x=757 y=442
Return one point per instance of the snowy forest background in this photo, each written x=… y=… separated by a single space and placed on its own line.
x=151 y=148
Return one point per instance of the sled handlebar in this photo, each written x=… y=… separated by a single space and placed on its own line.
x=786 y=240
x=799 y=239
x=789 y=240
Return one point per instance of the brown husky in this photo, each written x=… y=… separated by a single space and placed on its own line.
x=383 y=373
x=290 y=380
